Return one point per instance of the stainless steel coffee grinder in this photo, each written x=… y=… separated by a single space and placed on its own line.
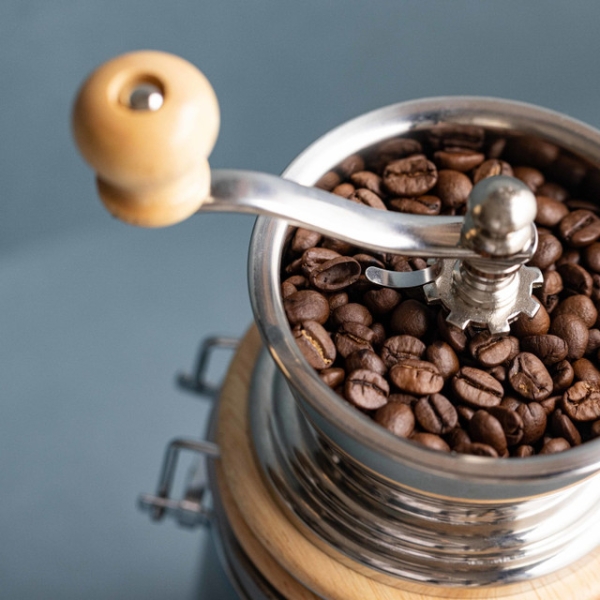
x=309 y=498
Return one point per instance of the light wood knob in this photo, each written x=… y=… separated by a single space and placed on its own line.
x=146 y=122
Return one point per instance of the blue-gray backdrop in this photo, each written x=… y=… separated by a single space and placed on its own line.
x=96 y=317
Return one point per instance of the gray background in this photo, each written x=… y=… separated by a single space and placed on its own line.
x=97 y=317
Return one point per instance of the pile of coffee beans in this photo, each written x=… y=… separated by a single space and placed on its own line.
x=533 y=391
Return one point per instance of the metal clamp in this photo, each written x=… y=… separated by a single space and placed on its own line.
x=193 y=509
x=197 y=382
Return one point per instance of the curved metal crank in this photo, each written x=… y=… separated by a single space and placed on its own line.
x=479 y=274
x=159 y=174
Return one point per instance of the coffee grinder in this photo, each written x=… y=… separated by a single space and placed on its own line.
x=307 y=497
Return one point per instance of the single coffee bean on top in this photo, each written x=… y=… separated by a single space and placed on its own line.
x=396 y=359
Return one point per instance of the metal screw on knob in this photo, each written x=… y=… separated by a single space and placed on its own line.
x=146 y=96
x=492 y=290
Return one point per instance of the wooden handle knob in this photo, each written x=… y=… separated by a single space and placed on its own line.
x=146 y=122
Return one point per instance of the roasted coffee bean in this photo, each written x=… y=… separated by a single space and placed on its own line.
x=511 y=402
x=548 y=251
x=523 y=451
x=586 y=371
x=413 y=176
x=491 y=168
x=379 y=335
x=436 y=414
x=573 y=330
x=550 y=349
x=451 y=334
x=352 y=313
x=593 y=341
x=336 y=300
x=316 y=344
x=555 y=445
x=511 y=423
x=534 y=420
x=403 y=399
x=328 y=181
x=465 y=413
x=410 y=318
x=553 y=190
x=306 y=305
x=592 y=257
x=338 y=246
x=368 y=198
x=417 y=263
x=458 y=159
x=578 y=204
x=549 y=211
x=477 y=388
x=490 y=350
x=532 y=178
x=549 y=404
x=368 y=180
x=399 y=263
x=476 y=449
x=529 y=150
x=529 y=377
x=335 y=274
x=299 y=281
x=581 y=402
x=563 y=427
x=569 y=256
x=579 y=305
x=452 y=188
x=401 y=347
x=350 y=165
x=539 y=324
x=576 y=280
x=382 y=300
x=548 y=293
x=498 y=372
x=454 y=135
x=579 y=228
x=422 y=205
x=457 y=437
x=313 y=257
x=431 y=441
x=345 y=190
x=366 y=389
x=332 y=377
x=365 y=359
x=287 y=289
x=516 y=347
x=397 y=417
x=443 y=357
x=366 y=260
x=351 y=337
x=304 y=239
x=418 y=377
x=393 y=149
x=562 y=376
x=486 y=429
